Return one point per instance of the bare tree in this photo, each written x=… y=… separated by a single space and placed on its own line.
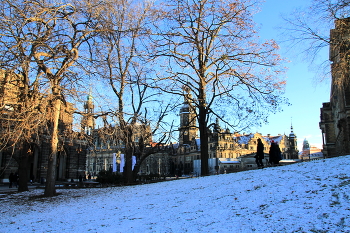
x=21 y=121
x=23 y=106
x=47 y=47
x=210 y=49
x=120 y=60
x=309 y=28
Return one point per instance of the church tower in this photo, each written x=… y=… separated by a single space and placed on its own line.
x=88 y=121
x=292 y=152
x=188 y=129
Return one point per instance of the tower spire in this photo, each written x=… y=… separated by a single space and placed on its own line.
x=88 y=121
x=292 y=152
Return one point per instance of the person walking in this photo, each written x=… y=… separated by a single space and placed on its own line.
x=274 y=153
x=11 y=178
x=278 y=153
x=259 y=154
x=15 y=179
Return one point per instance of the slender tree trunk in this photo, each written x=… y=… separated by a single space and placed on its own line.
x=23 y=169
x=128 y=167
x=204 y=140
x=137 y=166
x=51 y=171
x=129 y=151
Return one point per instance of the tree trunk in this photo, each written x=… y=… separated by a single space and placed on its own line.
x=128 y=174
x=51 y=171
x=204 y=140
x=23 y=169
x=128 y=141
x=139 y=160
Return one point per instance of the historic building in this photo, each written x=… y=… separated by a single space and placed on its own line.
x=107 y=150
x=335 y=114
x=71 y=150
x=225 y=147
x=224 y=144
x=188 y=149
x=104 y=153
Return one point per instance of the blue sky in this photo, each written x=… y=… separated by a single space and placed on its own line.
x=304 y=93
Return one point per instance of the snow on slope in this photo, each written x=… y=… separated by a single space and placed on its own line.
x=303 y=197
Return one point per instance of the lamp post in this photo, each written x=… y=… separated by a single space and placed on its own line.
x=309 y=156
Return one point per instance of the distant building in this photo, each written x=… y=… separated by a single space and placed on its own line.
x=335 y=115
x=310 y=152
x=224 y=144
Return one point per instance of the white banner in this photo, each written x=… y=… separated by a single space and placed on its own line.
x=122 y=162
x=114 y=162
x=133 y=162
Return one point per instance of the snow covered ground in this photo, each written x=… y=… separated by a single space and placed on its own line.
x=303 y=197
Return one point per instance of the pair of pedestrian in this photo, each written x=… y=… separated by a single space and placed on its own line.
x=275 y=154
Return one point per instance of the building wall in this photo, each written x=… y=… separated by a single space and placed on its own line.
x=158 y=163
x=98 y=160
x=335 y=115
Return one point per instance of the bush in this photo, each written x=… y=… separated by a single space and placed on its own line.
x=108 y=177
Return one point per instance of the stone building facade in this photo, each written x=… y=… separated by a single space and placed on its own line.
x=335 y=114
x=224 y=144
x=72 y=150
x=107 y=150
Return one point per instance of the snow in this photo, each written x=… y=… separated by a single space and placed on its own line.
x=302 y=197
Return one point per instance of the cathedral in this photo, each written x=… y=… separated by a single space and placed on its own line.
x=335 y=114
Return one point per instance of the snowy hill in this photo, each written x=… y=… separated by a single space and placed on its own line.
x=303 y=197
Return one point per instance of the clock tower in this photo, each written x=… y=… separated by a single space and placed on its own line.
x=188 y=129
x=88 y=122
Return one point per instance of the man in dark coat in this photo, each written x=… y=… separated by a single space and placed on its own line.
x=259 y=154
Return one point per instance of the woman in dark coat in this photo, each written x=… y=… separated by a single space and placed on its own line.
x=259 y=154
x=274 y=153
